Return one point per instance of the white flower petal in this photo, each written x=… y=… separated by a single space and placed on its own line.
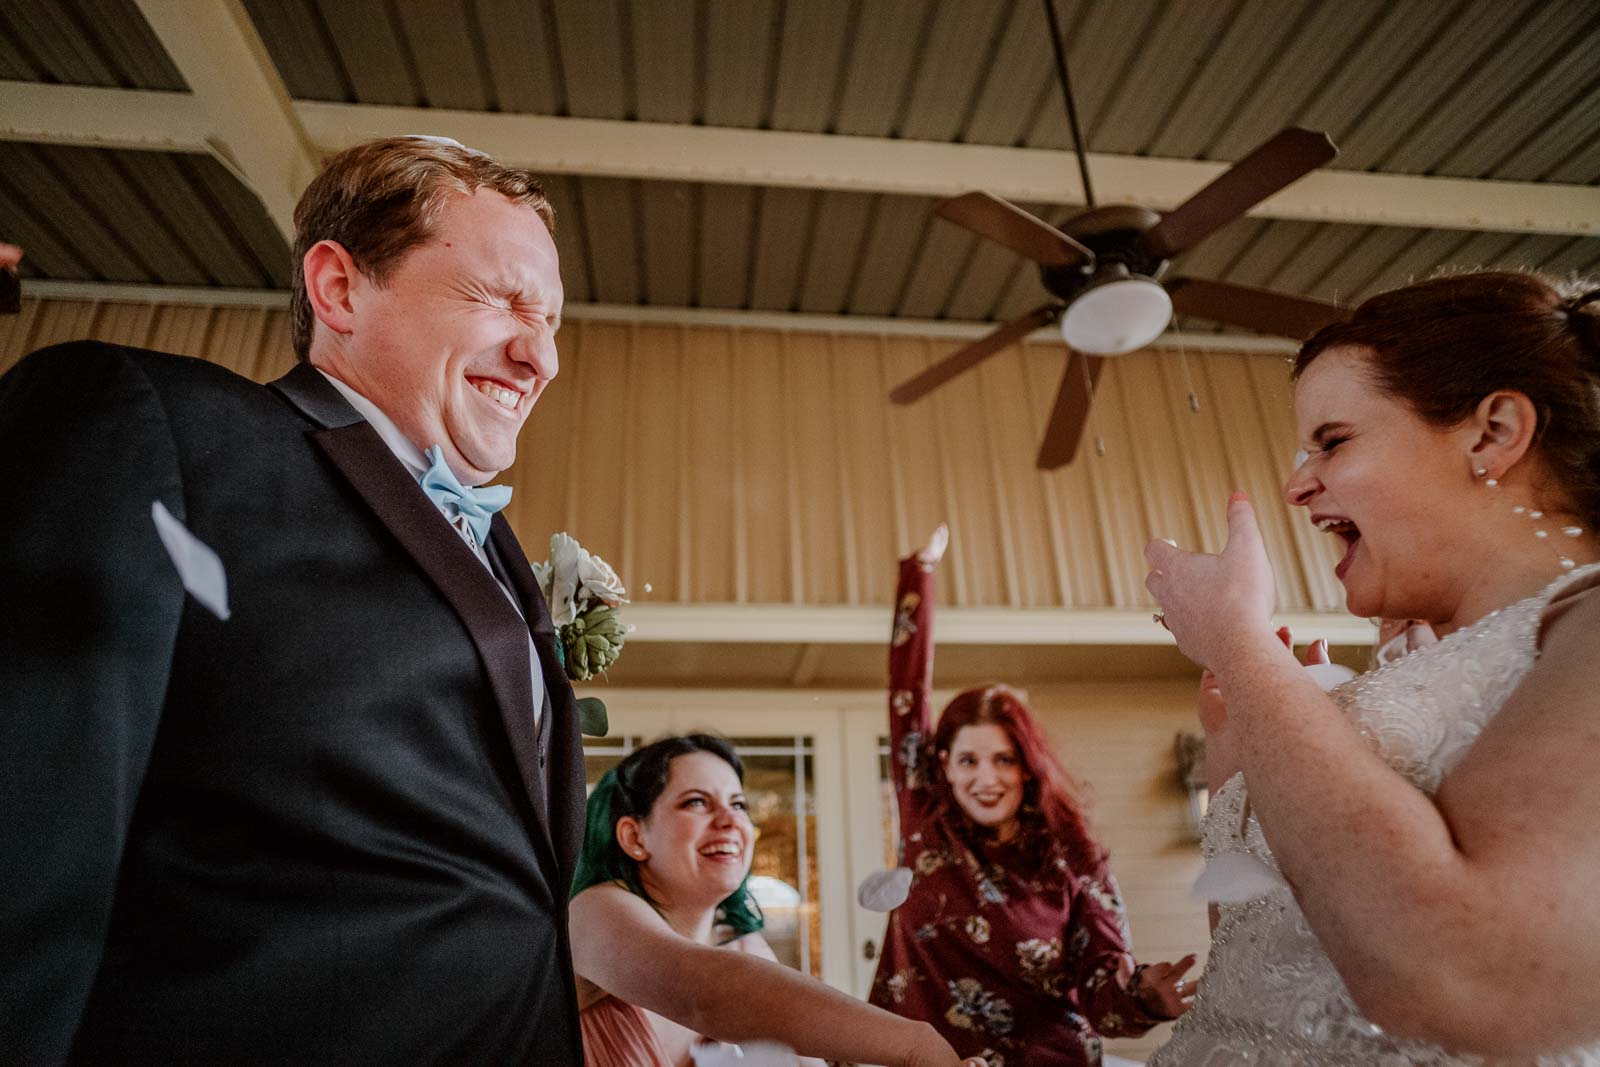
x=565 y=555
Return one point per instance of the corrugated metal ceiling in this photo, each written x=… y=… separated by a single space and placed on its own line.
x=1505 y=89
x=167 y=218
x=1475 y=89
x=83 y=42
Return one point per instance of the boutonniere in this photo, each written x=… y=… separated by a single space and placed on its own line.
x=584 y=593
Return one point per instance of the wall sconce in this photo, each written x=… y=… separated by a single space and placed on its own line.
x=1191 y=750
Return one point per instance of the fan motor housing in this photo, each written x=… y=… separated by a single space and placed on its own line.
x=1112 y=233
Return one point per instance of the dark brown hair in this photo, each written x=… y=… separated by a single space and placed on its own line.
x=1060 y=800
x=1444 y=344
x=380 y=199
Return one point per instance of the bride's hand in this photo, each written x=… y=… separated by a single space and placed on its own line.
x=1211 y=603
x=933 y=551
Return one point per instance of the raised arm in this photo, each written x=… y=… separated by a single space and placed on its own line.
x=911 y=679
x=89 y=610
x=734 y=996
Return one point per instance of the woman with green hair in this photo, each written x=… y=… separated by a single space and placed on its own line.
x=666 y=939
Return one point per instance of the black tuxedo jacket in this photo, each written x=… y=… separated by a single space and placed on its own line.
x=323 y=831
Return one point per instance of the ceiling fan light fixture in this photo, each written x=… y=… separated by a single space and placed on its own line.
x=1117 y=316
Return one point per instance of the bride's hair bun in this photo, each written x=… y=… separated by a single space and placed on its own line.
x=1583 y=318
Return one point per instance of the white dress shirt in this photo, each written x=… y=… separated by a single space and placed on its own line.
x=411 y=456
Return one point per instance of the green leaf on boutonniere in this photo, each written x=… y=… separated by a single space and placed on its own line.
x=592 y=718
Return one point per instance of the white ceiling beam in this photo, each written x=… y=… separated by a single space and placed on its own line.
x=252 y=127
x=145 y=119
x=870 y=164
x=103 y=118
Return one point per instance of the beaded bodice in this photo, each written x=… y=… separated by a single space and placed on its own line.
x=1269 y=994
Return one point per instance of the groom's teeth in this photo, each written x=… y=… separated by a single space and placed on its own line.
x=499 y=394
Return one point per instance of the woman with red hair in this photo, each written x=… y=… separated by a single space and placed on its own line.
x=1013 y=941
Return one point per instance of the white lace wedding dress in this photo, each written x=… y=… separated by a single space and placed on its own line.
x=1270 y=995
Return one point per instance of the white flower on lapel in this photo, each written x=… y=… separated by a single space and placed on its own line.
x=572 y=577
x=596 y=579
x=563 y=569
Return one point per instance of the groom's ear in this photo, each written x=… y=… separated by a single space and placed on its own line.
x=1502 y=429
x=331 y=274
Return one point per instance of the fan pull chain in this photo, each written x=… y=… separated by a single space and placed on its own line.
x=1188 y=378
x=1088 y=390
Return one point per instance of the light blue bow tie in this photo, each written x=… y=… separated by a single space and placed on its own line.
x=476 y=505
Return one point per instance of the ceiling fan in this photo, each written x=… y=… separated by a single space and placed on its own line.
x=1104 y=266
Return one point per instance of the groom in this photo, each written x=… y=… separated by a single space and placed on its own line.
x=331 y=816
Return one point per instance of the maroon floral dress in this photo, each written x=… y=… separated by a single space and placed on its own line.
x=1009 y=952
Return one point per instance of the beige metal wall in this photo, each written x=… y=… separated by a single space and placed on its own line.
x=1119 y=738
x=765 y=466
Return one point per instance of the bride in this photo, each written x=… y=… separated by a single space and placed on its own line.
x=1423 y=839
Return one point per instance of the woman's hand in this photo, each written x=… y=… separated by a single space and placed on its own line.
x=931 y=553
x=1213 y=603
x=1162 y=990
x=10 y=255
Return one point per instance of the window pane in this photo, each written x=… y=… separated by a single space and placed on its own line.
x=784 y=875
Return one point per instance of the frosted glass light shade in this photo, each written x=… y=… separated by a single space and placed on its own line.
x=1117 y=316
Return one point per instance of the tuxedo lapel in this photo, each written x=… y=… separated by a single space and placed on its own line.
x=496 y=630
x=565 y=777
x=536 y=612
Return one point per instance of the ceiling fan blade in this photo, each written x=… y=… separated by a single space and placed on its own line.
x=1064 y=431
x=1280 y=314
x=1006 y=223
x=1288 y=156
x=914 y=389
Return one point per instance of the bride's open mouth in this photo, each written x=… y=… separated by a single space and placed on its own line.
x=1346 y=531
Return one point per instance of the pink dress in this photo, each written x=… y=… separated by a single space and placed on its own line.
x=617 y=1034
